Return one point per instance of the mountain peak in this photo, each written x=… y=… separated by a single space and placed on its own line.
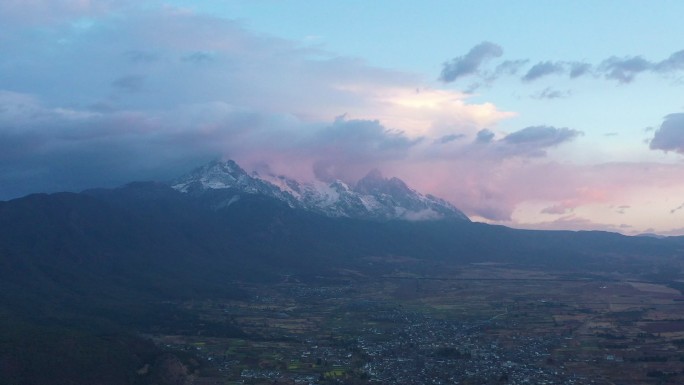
x=374 y=174
x=373 y=197
x=340 y=186
x=375 y=183
x=216 y=174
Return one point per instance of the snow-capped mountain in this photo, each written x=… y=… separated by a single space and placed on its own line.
x=373 y=197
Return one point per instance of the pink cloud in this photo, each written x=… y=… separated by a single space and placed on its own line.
x=561 y=208
x=574 y=223
x=493 y=189
x=167 y=89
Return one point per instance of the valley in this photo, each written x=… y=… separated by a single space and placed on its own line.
x=475 y=324
x=245 y=283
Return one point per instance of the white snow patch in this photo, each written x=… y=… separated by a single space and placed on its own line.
x=370 y=202
x=282 y=182
x=422 y=215
x=323 y=194
x=232 y=200
x=182 y=187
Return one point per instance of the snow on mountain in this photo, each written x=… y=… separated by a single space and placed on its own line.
x=218 y=175
x=373 y=197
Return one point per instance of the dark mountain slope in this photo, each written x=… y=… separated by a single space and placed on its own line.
x=144 y=234
x=96 y=266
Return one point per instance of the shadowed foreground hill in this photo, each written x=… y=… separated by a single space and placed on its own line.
x=150 y=240
x=82 y=273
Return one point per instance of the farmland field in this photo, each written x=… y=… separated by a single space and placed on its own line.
x=474 y=324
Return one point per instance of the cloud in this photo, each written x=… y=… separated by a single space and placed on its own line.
x=484 y=136
x=70 y=116
x=137 y=56
x=574 y=69
x=573 y=222
x=542 y=69
x=624 y=70
x=528 y=142
x=199 y=57
x=81 y=150
x=506 y=68
x=674 y=210
x=422 y=215
x=540 y=136
x=449 y=138
x=622 y=209
x=130 y=83
x=509 y=67
x=147 y=93
x=673 y=63
x=578 y=69
x=550 y=94
x=670 y=135
x=488 y=177
x=531 y=141
x=563 y=207
x=349 y=143
x=469 y=63
x=556 y=209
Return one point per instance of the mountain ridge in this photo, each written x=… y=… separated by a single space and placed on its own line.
x=106 y=266
x=372 y=197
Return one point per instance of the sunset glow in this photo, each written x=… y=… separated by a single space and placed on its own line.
x=527 y=114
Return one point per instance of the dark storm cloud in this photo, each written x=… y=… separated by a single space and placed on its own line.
x=469 y=63
x=670 y=135
x=542 y=69
x=76 y=153
x=82 y=119
x=88 y=149
x=81 y=151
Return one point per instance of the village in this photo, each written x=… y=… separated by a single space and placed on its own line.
x=399 y=331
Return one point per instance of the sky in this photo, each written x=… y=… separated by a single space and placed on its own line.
x=529 y=114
